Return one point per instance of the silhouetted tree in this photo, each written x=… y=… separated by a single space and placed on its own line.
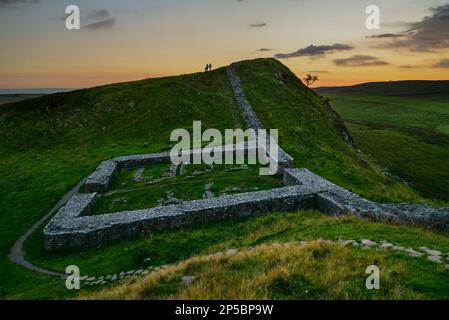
x=310 y=79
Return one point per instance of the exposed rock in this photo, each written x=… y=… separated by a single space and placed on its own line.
x=171 y=199
x=430 y=251
x=187 y=280
x=413 y=252
x=182 y=170
x=239 y=168
x=368 y=243
x=171 y=171
x=281 y=77
x=207 y=191
x=436 y=259
x=138 y=177
x=346 y=242
x=385 y=245
x=123 y=201
x=100 y=179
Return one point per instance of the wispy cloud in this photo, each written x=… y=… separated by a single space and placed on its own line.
x=17 y=3
x=409 y=66
x=313 y=50
x=103 y=24
x=99 y=19
x=96 y=20
x=258 y=25
x=99 y=14
x=429 y=34
x=360 y=61
x=443 y=63
x=387 y=36
x=318 y=71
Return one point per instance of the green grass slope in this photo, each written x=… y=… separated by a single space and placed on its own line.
x=407 y=135
x=48 y=144
x=306 y=131
x=315 y=271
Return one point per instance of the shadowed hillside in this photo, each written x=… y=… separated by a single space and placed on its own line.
x=394 y=88
x=403 y=126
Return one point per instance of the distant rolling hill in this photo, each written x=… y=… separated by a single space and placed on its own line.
x=9 y=98
x=394 y=88
x=403 y=125
x=16 y=95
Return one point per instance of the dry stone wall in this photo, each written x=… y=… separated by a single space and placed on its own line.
x=335 y=200
x=251 y=119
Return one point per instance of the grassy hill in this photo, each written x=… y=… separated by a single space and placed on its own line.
x=423 y=88
x=9 y=98
x=407 y=135
x=49 y=143
x=403 y=126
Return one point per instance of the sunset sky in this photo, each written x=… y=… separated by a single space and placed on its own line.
x=135 y=39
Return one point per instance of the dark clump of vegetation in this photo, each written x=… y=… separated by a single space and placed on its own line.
x=9 y=98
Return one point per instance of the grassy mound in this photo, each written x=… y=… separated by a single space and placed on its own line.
x=316 y=270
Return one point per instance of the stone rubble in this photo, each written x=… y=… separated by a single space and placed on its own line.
x=208 y=194
x=138 y=177
x=187 y=280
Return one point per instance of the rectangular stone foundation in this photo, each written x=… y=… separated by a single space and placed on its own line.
x=71 y=228
x=66 y=231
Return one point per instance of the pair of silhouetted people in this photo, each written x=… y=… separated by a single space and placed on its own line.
x=208 y=67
